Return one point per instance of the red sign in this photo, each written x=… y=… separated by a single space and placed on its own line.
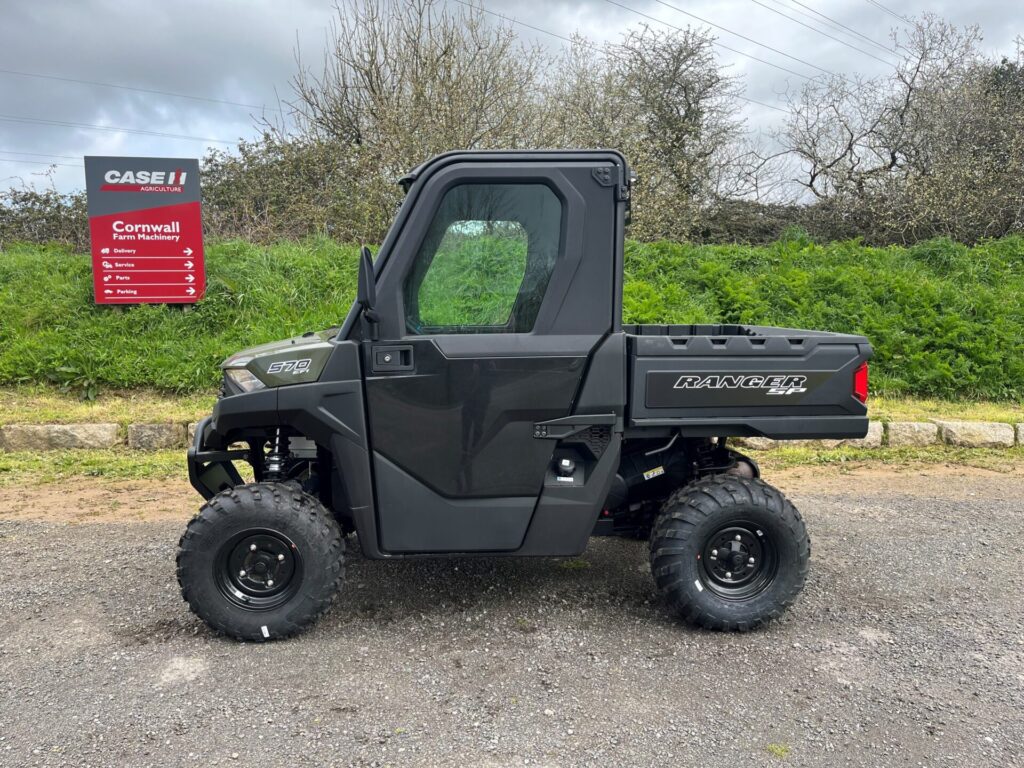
x=146 y=225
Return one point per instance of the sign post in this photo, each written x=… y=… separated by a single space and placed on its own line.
x=146 y=227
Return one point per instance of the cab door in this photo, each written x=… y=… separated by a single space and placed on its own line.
x=493 y=296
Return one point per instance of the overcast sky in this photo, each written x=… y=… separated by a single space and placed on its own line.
x=243 y=51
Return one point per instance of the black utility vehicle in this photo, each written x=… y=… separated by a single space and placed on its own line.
x=483 y=397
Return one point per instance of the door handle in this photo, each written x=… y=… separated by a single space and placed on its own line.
x=567 y=426
x=385 y=358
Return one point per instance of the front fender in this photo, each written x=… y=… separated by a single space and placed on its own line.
x=331 y=413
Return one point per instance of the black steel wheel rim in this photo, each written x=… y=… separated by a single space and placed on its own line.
x=739 y=561
x=258 y=569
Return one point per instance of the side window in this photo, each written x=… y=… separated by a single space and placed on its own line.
x=486 y=260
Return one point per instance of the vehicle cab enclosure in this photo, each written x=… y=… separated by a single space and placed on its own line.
x=484 y=396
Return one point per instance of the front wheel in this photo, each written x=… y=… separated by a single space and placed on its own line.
x=729 y=553
x=260 y=561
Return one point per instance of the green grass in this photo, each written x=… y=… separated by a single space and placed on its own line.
x=31 y=467
x=46 y=404
x=947 y=321
x=923 y=409
x=453 y=292
x=1000 y=460
x=781 y=751
x=20 y=467
x=49 y=326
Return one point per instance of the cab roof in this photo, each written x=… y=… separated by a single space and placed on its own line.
x=521 y=155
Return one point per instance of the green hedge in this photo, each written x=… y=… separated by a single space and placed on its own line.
x=946 y=320
x=50 y=328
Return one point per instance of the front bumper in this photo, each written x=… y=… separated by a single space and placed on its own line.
x=241 y=418
x=210 y=470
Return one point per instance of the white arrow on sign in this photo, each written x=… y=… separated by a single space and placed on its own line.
x=187 y=251
x=190 y=291
x=108 y=292
x=190 y=278
x=189 y=265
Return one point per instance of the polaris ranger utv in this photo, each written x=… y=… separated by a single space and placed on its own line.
x=483 y=397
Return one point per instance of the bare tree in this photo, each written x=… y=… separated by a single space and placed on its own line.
x=403 y=81
x=661 y=98
x=935 y=147
x=929 y=149
x=400 y=81
x=408 y=79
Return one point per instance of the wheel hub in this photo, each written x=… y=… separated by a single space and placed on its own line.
x=259 y=569
x=738 y=561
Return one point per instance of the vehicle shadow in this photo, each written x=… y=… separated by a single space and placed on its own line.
x=612 y=572
x=611 y=577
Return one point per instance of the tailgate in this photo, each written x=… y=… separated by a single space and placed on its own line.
x=747 y=380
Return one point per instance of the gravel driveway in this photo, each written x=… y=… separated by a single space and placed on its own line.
x=907 y=648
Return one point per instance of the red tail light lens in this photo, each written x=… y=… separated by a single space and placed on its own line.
x=860 y=383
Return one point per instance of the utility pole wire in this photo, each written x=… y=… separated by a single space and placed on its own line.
x=114 y=129
x=821 y=32
x=569 y=39
x=722 y=45
x=729 y=31
x=838 y=23
x=139 y=90
x=37 y=162
x=39 y=154
x=599 y=49
x=891 y=12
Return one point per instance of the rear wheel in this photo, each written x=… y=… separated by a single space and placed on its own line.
x=260 y=561
x=729 y=553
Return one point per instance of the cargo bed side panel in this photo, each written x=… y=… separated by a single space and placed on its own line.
x=747 y=381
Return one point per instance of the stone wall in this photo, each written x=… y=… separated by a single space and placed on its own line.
x=914 y=434
x=170 y=435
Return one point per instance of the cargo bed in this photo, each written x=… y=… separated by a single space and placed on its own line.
x=746 y=380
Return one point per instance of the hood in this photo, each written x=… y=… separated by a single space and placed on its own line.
x=298 y=360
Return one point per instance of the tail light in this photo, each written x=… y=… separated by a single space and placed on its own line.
x=860 y=383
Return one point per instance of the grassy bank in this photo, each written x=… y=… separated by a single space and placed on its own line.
x=43 y=404
x=54 y=466
x=50 y=330
x=947 y=321
x=122 y=464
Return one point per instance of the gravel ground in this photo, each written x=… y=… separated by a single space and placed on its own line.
x=907 y=648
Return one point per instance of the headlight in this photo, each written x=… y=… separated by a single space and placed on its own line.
x=243 y=379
